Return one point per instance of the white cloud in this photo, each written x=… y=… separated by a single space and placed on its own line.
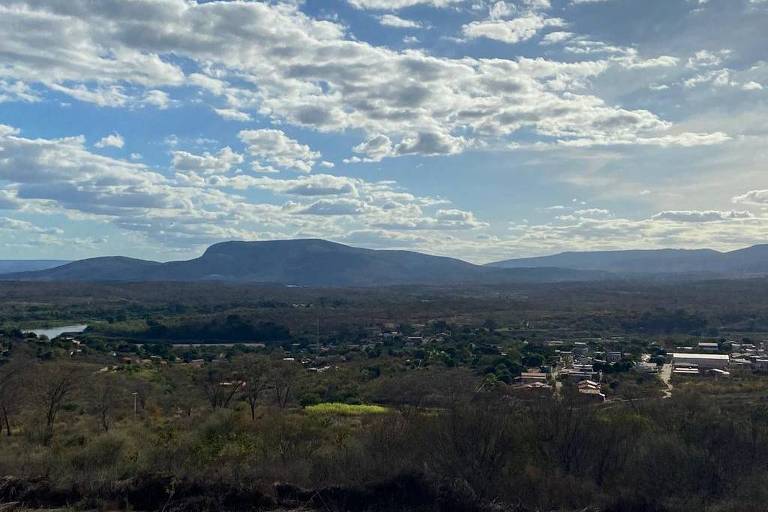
x=556 y=37
x=207 y=163
x=313 y=74
x=753 y=197
x=705 y=59
x=200 y=203
x=392 y=5
x=680 y=229
x=701 y=216
x=510 y=31
x=233 y=114
x=114 y=140
x=390 y=20
x=17 y=91
x=274 y=147
x=334 y=207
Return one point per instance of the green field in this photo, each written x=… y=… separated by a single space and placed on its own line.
x=339 y=409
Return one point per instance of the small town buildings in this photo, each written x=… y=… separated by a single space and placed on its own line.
x=685 y=371
x=709 y=347
x=700 y=361
x=529 y=377
x=646 y=367
x=591 y=389
x=580 y=348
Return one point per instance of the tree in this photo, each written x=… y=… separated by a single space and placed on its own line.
x=220 y=387
x=54 y=385
x=283 y=379
x=9 y=378
x=255 y=380
x=106 y=399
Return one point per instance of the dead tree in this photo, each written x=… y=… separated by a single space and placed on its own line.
x=54 y=386
x=219 y=389
x=255 y=382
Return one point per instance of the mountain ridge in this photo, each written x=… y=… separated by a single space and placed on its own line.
x=7 y=266
x=741 y=262
x=303 y=262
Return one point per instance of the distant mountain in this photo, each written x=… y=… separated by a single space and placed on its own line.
x=751 y=261
x=304 y=263
x=8 y=266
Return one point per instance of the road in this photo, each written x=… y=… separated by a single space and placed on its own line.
x=666 y=377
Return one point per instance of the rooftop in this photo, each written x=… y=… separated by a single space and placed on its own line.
x=678 y=355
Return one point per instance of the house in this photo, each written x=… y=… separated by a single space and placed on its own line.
x=613 y=357
x=578 y=374
x=700 y=361
x=580 y=348
x=591 y=389
x=646 y=367
x=528 y=377
x=709 y=347
x=685 y=371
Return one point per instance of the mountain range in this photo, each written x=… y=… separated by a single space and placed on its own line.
x=7 y=266
x=301 y=263
x=322 y=263
x=751 y=261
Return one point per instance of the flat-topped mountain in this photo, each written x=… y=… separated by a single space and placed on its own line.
x=743 y=262
x=301 y=262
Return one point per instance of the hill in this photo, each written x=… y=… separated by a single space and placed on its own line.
x=302 y=263
x=8 y=266
x=751 y=261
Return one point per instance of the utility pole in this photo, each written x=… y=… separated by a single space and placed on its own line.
x=135 y=403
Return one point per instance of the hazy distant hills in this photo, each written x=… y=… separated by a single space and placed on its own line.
x=7 y=266
x=304 y=263
x=322 y=263
x=741 y=263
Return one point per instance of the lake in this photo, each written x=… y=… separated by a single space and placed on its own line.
x=58 y=331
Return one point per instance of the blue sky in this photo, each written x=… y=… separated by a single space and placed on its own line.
x=469 y=128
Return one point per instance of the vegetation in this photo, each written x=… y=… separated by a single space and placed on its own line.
x=338 y=409
x=194 y=398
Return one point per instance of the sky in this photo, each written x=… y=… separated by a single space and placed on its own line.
x=477 y=129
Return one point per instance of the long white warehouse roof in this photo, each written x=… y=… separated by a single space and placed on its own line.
x=678 y=355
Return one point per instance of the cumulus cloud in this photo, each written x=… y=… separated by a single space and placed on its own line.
x=334 y=207
x=701 y=216
x=275 y=148
x=17 y=90
x=510 y=31
x=207 y=163
x=311 y=73
x=232 y=114
x=201 y=202
x=705 y=58
x=753 y=197
x=114 y=140
x=392 y=5
x=390 y=20
x=682 y=229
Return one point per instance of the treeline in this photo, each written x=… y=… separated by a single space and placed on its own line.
x=229 y=328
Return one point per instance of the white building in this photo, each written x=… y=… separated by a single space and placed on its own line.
x=701 y=361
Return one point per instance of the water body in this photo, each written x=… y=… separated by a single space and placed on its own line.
x=58 y=331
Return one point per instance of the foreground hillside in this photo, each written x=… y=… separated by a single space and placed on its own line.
x=226 y=397
x=302 y=263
